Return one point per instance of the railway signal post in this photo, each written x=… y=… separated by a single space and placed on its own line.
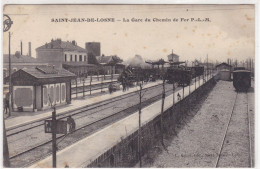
x=55 y=127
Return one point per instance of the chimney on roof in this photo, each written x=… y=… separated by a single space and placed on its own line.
x=29 y=46
x=74 y=42
x=21 y=48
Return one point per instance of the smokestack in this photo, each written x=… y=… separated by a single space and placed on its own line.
x=29 y=46
x=21 y=48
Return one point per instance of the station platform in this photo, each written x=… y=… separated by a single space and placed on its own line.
x=88 y=149
x=20 y=118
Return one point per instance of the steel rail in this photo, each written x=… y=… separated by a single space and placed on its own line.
x=222 y=144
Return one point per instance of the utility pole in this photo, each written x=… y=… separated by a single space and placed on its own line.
x=163 y=98
x=83 y=87
x=173 y=89
x=7 y=25
x=76 y=88
x=139 y=129
x=207 y=65
x=54 y=138
x=10 y=78
x=5 y=148
x=21 y=48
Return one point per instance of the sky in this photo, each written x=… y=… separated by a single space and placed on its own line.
x=229 y=34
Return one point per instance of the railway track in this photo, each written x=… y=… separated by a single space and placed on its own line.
x=236 y=145
x=89 y=123
x=37 y=123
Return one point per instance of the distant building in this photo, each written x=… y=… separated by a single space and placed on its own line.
x=173 y=57
x=66 y=55
x=111 y=64
x=58 y=52
x=19 y=62
x=40 y=87
x=93 y=47
x=223 y=66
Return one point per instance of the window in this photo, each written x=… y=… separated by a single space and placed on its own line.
x=80 y=58
x=85 y=58
x=75 y=58
x=71 y=58
x=65 y=58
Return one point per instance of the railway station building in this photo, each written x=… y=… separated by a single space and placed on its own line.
x=40 y=87
x=67 y=55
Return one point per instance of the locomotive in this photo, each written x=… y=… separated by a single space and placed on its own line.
x=176 y=73
x=136 y=74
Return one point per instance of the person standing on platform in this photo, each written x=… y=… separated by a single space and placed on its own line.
x=71 y=123
x=6 y=103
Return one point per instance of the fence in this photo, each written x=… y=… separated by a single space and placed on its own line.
x=82 y=87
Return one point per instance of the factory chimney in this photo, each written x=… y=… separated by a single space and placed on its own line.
x=29 y=50
x=21 y=48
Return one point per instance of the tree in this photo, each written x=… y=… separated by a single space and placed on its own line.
x=116 y=59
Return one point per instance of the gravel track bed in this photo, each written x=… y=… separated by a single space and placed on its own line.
x=235 y=150
x=199 y=142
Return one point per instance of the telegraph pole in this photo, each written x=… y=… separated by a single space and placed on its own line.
x=5 y=148
x=7 y=25
x=207 y=65
x=139 y=130
x=10 y=79
x=54 y=138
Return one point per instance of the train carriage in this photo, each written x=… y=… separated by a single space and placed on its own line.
x=242 y=80
x=178 y=75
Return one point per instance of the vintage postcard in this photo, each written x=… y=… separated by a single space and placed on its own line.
x=143 y=86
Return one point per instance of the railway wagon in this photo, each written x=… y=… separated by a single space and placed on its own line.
x=242 y=80
x=196 y=71
x=178 y=75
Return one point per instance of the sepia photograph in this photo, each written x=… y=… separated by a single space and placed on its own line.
x=128 y=85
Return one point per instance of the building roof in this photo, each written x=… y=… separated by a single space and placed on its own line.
x=47 y=72
x=173 y=55
x=82 y=64
x=108 y=60
x=20 y=59
x=59 y=44
x=223 y=63
x=104 y=59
